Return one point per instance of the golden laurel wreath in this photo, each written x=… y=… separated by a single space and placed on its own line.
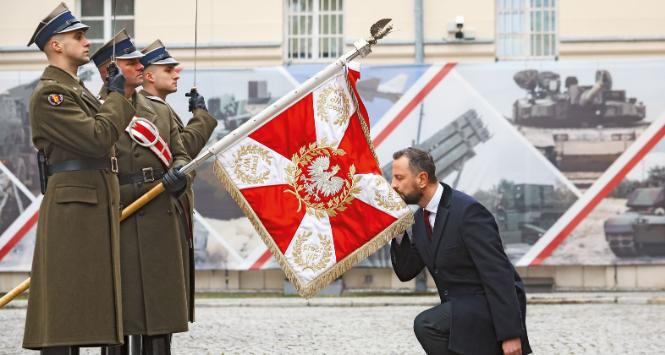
x=246 y=161
x=389 y=201
x=333 y=98
x=294 y=174
x=305 y=255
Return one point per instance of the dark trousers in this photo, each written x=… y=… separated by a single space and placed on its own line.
x=432 y=328
x=60 y=350
x=141 y=345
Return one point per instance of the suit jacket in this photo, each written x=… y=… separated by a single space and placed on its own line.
x=466 y=259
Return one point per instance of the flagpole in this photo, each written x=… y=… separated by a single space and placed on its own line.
x=361 y=48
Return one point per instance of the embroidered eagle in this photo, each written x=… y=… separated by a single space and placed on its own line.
x=320 y=180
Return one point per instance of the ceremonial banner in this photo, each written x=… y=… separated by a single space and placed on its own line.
x=310 y=183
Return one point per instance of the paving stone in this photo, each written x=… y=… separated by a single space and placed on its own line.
x=324 y=326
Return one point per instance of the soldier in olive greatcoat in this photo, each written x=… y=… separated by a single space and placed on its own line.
x=161 y=79
x=154 y=297
x=75 y=290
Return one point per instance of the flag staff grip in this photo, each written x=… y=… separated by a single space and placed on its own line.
x=361 y=48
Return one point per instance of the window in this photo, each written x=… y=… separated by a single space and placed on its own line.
x=314 y=29
x=98 y=14
x=526 y=28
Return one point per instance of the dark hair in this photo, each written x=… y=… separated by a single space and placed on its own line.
x=419 y=160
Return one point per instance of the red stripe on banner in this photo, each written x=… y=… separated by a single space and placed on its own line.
x=358 y=224
x=357 y=150
x=19 y=235
x=614 y=181
x=262 y=260
x=354 y=76
x=290 y=130
x=401 y=116
x=277 y=210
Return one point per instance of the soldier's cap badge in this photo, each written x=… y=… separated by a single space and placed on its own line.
x=55 y=99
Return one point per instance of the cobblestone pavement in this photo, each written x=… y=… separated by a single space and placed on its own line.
x=381 y=325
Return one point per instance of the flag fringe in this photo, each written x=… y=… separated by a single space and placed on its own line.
x=369 y=248
x=325 y=278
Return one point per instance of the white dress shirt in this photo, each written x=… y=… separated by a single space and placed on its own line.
x=433 y=205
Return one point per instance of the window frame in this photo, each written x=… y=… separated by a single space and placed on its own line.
x=522 y=34
x=107 y=18
x=312 y=39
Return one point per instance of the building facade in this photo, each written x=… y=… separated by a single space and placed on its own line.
x=266 y=33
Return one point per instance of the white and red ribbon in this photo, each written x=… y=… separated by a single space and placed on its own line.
x=146 y=134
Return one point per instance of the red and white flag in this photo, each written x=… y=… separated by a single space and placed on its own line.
x=310 y=183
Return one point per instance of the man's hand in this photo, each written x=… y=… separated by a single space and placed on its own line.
x=174 y=181
x=115 y=80
x=196 y=100
x=512 y=346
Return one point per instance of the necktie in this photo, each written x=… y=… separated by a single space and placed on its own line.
x=428 y=226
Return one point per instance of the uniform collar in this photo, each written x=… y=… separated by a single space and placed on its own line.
x=54 y=73
x=151 y=96
x=433 y=204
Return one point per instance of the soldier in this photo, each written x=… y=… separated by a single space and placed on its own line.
x=154 y=300
x=75 y=289
x=161 y=79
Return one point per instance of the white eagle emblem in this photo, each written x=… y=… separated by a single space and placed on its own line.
x=321 y=181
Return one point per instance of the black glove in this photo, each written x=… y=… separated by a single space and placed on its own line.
x=174 y=181
x=196 y=100
x=115 y=80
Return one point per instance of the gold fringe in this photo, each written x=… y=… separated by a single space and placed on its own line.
x=325 y=278
x=367 y=249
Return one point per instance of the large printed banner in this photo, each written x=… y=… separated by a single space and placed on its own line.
x=568 y=155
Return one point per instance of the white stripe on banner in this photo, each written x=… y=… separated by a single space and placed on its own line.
x=252 y=164
x=333 y=108
x=312 y=249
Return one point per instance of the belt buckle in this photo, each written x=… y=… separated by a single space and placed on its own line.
x=114 y=165
x=148 y=175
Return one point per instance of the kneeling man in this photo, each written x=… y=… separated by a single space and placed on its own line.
x=483 y=303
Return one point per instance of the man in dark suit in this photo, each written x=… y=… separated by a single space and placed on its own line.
x=483 y=304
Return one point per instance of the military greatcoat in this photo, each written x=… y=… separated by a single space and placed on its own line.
x=75 y=289
x=153 y=282
x=194 y=137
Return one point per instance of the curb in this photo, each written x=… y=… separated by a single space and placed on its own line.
x=408 y=301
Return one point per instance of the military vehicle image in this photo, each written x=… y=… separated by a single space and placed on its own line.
x=578 y=106
x=641 y=229
x=452 y=145
x=16 y=150
x=524 y=212
x=580 y=129
x=391 y=90
x=231 y=112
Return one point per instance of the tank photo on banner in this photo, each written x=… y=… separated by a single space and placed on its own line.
x=581 y=115
x=531 y=140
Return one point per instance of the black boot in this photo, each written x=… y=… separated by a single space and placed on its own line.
x=60 y=350
x=131 y=346
x=156 y=344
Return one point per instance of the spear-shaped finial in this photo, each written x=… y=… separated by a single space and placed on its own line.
x=380 y=29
